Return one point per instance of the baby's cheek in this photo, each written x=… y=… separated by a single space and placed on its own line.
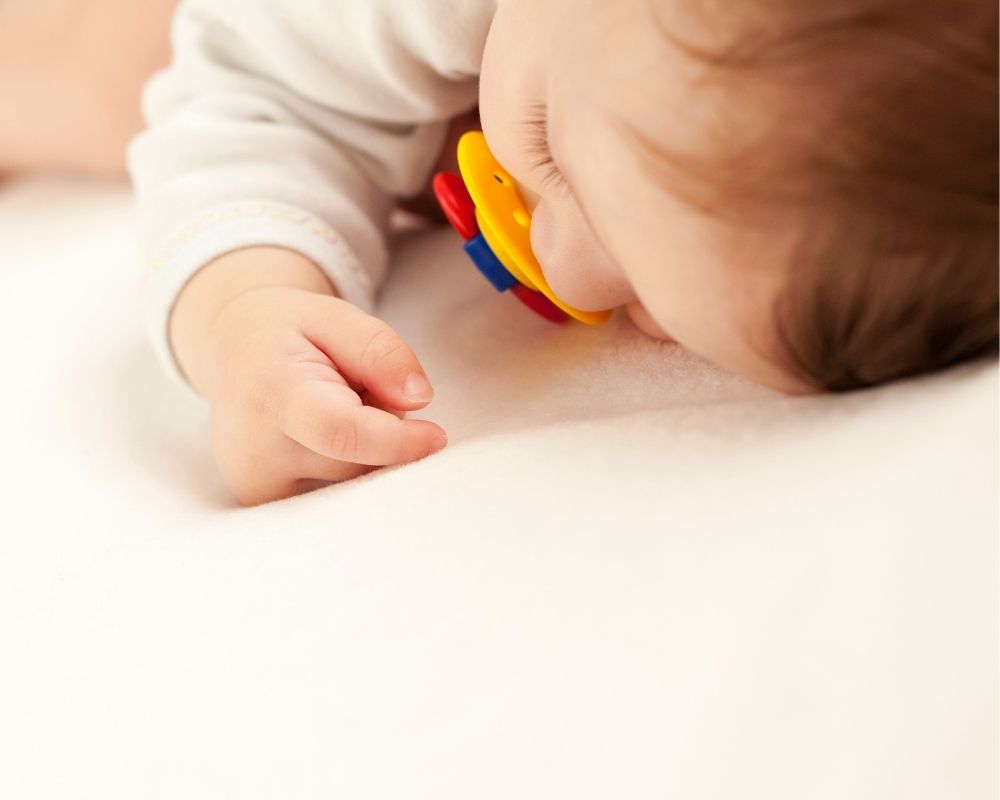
x=551 y=256
x=642 y=319
x=577 y=268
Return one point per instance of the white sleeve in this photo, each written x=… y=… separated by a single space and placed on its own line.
x=296 y=123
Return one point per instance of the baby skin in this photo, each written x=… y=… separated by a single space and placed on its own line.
x=305 y=389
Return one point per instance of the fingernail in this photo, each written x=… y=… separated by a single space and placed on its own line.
x=438 y=444
x=417 y=388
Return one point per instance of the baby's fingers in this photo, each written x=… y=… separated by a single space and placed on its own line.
x=374 y=401
x=369 y=353
x=328 y=418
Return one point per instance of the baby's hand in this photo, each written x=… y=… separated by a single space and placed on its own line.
x=307 y=389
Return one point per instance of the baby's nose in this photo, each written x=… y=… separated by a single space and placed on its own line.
x=577 y=267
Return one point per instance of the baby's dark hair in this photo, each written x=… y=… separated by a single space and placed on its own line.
x=884 y=141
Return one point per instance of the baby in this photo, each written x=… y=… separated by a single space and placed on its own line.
x=805 y=194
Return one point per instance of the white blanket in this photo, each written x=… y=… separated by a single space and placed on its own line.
x=628 y=576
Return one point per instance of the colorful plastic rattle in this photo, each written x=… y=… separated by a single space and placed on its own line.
x=484 y=207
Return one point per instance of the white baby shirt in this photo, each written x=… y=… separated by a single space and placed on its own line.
x=295 y=123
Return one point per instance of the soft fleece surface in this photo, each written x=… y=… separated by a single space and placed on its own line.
x=629 y=576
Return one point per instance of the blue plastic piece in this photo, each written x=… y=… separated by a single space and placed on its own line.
x=488 y=264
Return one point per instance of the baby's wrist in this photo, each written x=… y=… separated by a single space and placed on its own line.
x=221 y=282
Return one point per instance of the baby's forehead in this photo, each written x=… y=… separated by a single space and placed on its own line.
x=648 y=90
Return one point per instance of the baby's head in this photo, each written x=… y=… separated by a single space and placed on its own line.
x=804 y=193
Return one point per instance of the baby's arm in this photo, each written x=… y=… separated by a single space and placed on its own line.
x=280 y=137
